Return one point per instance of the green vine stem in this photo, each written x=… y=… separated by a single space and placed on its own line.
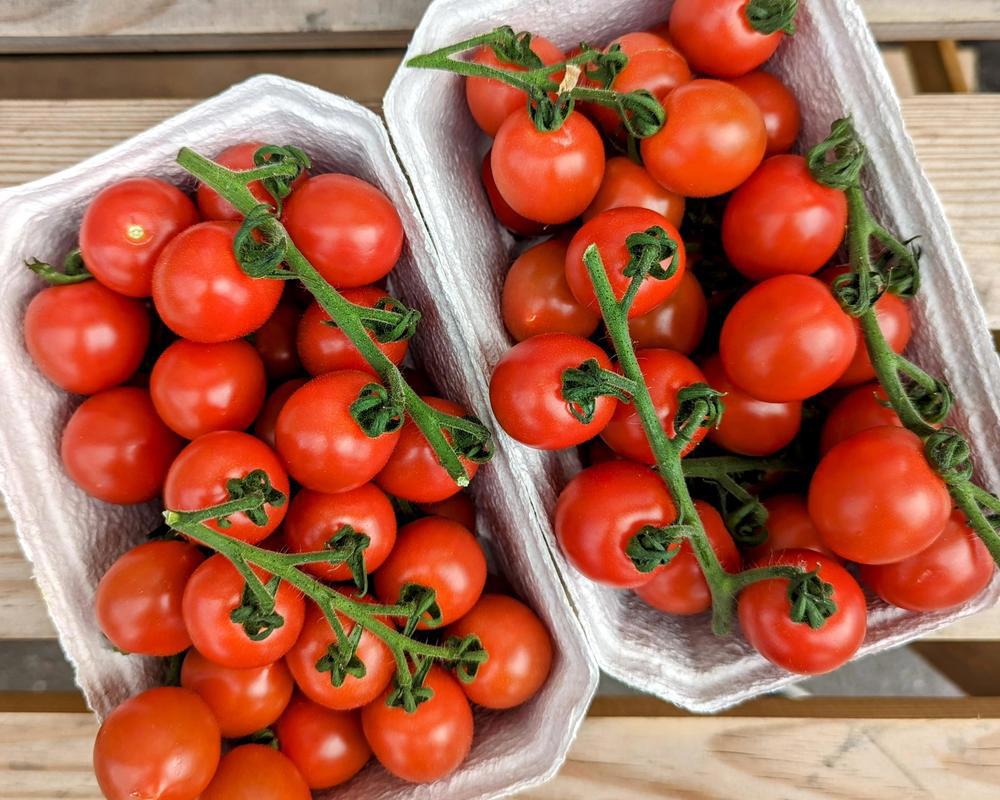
x=73 y=270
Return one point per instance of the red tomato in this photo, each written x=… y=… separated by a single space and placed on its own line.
x=609 y=230
x=215 y=590
x=764 y=612
x=201 y=292
x=256 y=772
x=626 y=184
x=163 y=743
x=347 y=228
x=427 y=744
x=791 y=355
x=789 y=527
x=459 y=507
x=548 y=177
x=678 y=323
x=527 y=396
x=313 y=519
x=125 y=228
x=507 y=216
x=263 y=428
x=243 y=701
x=876 y=500
x=236 y=157
x=320 y=442
x=115 y=447
x=777 y=105
x=328 y=747
x=85 y=338
x=713 y=140
x=138 y=601
x=862 y=408
x=680 y=587
x=275 y=342
x=951 y=571
x=198 y=477
x=599 y=512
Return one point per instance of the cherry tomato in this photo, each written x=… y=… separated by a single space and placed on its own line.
x=125 y=228
x=507 y=216
x=548 y=177
x=85 y=338
x=427 y=744
x=263 y=428
x=217 y=589
x=626 y=184
x=860 y=409
x=201 y=292
x=791 y=355
x=328 y=747
x=162 y=743
x=243 y=701
x=116 y=448
x=951 y=571
x=680 y=587
x=678 y=323
x=713 y=140
x=347 y=228
x=275 y=342
x=609 y=230
x=256 y=772
x=764 y=612
x=323 y=446
x=789 y=527
x=236 y=157
x=138 y=601
x=459 y=507
x=599 y=512
x=198 y=478
x=876 y=500
x=777 y=105
x=313 y=519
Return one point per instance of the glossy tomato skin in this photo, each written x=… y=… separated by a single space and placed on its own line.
x=243 y=701
x=236 y=157
x=459 y=507
x=163 y=743
x=506 y=216
x=680 y=587
x=783 y=221
x=627 y=185
x=347 y=228
x=861 y=408
x=536 y=297
x=427 y=744
x=117 y=449
x=213 y=593
x=600 y=510
x=777 y=105
x=526 y=391
x=786 y=339
x=313 y=519
x=678 y=323
x=320 y=442
x=256 y=772
x=876 y=500
x=952 y=570
x=138 y=600
x=263 y=426
x=713 y=140
x=789 y=527
x=201 y=292
x=198 y=477
x=548 y=177
x=609 y=231
x=125 y=228
x=764 y=608
x=717 y=39
x=275 y=342
x=327 y=747
x=84 y=337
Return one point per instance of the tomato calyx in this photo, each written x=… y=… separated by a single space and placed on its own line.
x=73 y=270
x=376 y=411
x=581 y=386
x=811 y=599
x=948 y=452
x=341 y=658
x=389 y=320
x=652 y=547
x=279 y=184
x=423 y=606
x=771 y=16
x=468 y=656
x=259 y=619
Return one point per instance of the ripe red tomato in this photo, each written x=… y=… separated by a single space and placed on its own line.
x=85 y=338
x=678 y=323
x=764 y=613
x=749 y=426
x=526 y=391
x=951 y=571
x=875 y=499
x=275 y=342
x=201 y=388
x=782 y=221
x=627 y=184
x=347 y=228
x=243 y=701
x=198 y=477
x=789 y=527
x=117 y=449
x=215 y=590
x=713 y=140
x=459 y=507
x=201 y=292
x=138 y=601
x=125 y=228
x=792 y=355
x=609 y=230
x=161 y=743
x=548 y=177
x=427 y=744
x=680 y=587
x=860 y=409
x=256 y=772
x=599 y=512
x=313 y=519
x=263 y=428
x=320 y=442
x=235 y=157
x=328 y=747
x=324 y=348
x=777 y=105
x=507 y=216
